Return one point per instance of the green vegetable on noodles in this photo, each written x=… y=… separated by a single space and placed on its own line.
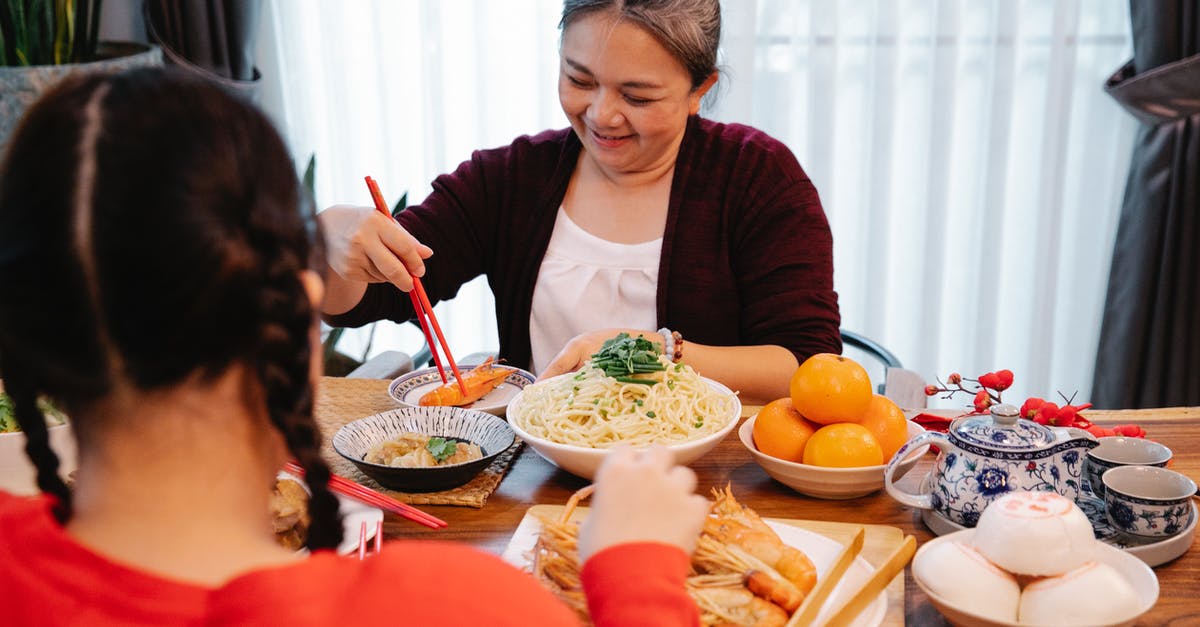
x=623 y=357
x=441 y=448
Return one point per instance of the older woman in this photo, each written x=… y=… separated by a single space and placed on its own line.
x=158 y=283
x=642 y=217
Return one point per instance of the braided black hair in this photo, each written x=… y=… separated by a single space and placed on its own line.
x=152 y=228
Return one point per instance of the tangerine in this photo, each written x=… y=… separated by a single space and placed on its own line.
x=780 y=431
x=887 y=423
x=843 y=445
x=830 y=388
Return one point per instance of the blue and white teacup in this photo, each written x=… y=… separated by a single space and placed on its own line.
x=1117 y=451
x=1148 y=501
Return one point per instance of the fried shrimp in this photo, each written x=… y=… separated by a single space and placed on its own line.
x=742 y=572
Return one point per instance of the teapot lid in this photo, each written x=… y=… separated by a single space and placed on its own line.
x=1002 y=430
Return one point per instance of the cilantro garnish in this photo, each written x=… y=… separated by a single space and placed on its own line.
x=441 y=448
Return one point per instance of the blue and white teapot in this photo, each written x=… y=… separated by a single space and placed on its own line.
x=983 y=457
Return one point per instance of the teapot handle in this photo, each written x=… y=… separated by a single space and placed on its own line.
x=920 y=501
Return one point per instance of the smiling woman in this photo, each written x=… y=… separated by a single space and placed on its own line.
x=965 y=154
x=641 y=217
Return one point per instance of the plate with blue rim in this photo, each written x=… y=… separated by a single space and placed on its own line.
x=408 y=389
x=1152 y=551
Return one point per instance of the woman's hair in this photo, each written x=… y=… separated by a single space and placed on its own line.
x=152 y=229
x=689 y=29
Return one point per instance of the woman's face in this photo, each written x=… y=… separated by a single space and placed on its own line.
x=627 y=98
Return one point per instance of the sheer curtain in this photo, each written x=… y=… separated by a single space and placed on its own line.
x=968 y=159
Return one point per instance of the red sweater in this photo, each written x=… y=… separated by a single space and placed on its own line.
x=47 y=578
x=747 y=255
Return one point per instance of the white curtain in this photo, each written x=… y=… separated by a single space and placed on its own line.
x=969 y=162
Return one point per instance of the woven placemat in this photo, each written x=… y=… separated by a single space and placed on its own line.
x=341 y=400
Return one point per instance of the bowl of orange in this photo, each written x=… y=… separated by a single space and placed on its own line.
x=832 y=437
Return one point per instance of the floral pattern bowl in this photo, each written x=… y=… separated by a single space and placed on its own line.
x=1148 y=501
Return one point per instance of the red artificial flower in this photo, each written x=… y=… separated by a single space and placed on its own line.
x=1032 y=404
x=982 y=401
x=1000 y=380
x=932 y=390
x=1046 y=414
x=1129 y=431
x=954 y=378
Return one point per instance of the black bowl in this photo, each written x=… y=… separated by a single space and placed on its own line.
x=354 y=440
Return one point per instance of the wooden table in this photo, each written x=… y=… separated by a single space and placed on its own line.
x=534 y=481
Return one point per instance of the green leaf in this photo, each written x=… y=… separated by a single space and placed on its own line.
x=310 y=173
x=401 y=205
x=64 y=30
x=441 y=448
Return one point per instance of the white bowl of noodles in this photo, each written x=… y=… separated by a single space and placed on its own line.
x=562 y=421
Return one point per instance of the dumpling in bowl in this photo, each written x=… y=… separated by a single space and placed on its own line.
x=1092 y=594
x=1035 y=533
x=957 y=572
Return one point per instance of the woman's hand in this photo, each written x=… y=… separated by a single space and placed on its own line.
x=581 y=348
x=642 y=496
x=366 y=246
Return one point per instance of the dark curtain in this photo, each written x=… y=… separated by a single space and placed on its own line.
x=214 y=38
x=1149 y=351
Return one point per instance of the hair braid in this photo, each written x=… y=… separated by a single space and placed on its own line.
x=284 y=367
x=37 y=444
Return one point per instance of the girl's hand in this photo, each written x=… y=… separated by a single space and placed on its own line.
x=364 y=245
x=642 y=496
x=581 y=348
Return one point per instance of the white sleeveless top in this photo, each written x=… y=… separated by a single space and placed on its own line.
x=588 y=283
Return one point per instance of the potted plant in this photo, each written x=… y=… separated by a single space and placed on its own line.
x=41 y=41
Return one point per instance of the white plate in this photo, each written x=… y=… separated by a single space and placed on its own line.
x=1152 y=552
x=354 y=514
x=1137 y=573
x=821 y=550
x=409 y=388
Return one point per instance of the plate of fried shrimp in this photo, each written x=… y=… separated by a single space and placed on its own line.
x=734 y=542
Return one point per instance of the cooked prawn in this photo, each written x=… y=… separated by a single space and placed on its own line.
x=733 y=524
x=479 y=381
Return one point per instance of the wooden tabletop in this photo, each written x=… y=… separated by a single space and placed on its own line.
x=534 y=481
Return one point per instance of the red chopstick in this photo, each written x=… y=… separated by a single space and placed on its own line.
x=360 y=492
x=422 y=307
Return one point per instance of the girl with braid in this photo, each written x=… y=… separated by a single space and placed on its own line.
x=157 y=282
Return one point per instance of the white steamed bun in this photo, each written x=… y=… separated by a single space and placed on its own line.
x=1092 y=594
x=959 y=574
x=1035 y=533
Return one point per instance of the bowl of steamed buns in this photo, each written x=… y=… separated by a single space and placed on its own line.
x=1033 y=559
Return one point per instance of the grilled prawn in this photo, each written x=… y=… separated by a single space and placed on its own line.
x=479 y=381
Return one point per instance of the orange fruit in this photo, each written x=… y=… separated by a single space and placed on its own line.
x=887 y=423
x=843 y=445
x=829 y=388
x=780 y=431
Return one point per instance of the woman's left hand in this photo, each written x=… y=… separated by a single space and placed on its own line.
x=581 y=348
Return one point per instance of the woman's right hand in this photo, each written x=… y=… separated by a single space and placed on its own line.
x=366 y=246
x=642 y=496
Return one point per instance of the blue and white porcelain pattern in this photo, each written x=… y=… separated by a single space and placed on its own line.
x=969 y=483
x=408 y=389
x=491 y=433
x=1152 y=551
x=1148 y=518
x=982 y=458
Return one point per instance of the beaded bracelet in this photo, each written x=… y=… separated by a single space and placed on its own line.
x=672 y=344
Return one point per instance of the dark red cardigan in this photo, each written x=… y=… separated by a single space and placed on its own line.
x=747 y=255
